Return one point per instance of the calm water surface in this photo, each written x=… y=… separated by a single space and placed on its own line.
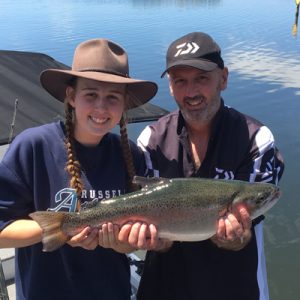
x=258 y=46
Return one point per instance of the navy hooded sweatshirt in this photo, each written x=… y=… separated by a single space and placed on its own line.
x=32 y=178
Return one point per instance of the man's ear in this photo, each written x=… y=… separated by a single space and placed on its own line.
x=170 y=85
x=224 y=78
x=70 y=96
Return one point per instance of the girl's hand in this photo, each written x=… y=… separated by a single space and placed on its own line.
x=87 y=239
x=108 y=238
x=143 y=237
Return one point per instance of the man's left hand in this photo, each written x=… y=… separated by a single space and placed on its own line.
x=234 y=230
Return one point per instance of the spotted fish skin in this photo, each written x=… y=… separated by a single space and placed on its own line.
x=182 y=209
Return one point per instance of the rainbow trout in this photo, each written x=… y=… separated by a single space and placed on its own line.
x=182 y=209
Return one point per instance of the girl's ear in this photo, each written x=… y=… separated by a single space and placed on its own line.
x=70 y=96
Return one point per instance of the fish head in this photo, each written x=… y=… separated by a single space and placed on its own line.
x=259 y=198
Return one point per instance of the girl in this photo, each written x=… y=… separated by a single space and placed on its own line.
x=62 y=167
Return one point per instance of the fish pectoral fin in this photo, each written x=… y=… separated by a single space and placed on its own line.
x=145 y=182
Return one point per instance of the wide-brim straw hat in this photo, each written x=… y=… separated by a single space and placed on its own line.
x=101 y=60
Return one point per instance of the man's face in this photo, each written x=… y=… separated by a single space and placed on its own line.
x=197 y=92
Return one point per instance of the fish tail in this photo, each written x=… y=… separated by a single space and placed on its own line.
x=51 y=224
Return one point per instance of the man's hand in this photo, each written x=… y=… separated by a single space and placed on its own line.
x=234 y=230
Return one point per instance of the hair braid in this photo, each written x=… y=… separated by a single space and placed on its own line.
x=72 y=166
x=127 y=155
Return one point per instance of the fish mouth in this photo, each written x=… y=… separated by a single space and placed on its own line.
x=276 y=195
x=270 y=201
x=273 y=198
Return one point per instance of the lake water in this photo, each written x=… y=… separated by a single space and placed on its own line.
x=259 y=47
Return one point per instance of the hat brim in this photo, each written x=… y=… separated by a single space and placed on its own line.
x=200 y=64
x=55 y=82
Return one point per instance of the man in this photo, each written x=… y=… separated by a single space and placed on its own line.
x=205 y=138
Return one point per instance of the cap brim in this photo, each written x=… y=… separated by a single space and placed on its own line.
x=200 y=64
x=55 y=82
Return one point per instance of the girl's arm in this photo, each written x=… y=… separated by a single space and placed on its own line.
x=20 y=233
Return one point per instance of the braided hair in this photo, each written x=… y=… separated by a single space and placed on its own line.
x=127 y=155
x=73 y=165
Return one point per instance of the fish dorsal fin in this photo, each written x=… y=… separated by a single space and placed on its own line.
x=145 y=182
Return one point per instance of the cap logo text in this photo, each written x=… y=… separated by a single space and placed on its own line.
x=186 y=48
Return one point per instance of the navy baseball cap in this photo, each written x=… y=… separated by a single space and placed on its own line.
x=196 y=49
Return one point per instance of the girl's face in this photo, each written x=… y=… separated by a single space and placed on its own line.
x=98 y=108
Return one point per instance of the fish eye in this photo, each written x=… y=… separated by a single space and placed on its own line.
x=260 y=198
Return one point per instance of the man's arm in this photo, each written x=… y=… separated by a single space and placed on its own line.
x=264 y=163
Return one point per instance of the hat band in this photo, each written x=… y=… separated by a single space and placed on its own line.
x=113 y=72
x=214 y=57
